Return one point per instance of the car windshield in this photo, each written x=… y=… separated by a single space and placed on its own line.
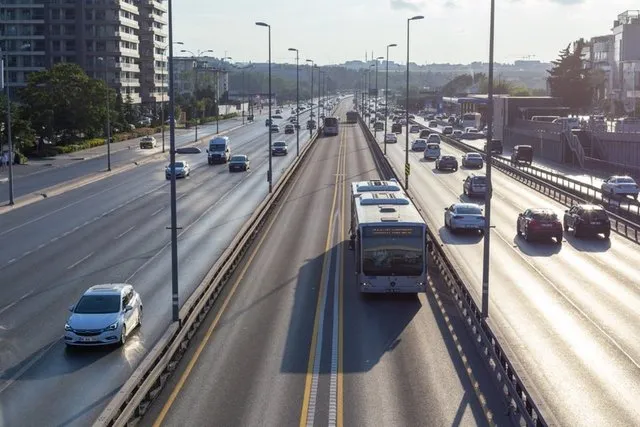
x=447 y=158
x=178 y=165
x=479 y=180
x=238 y=159
x=420 y=142
x=626 y=181
x=597 y=214
x=98 y=304
x=545 y=216
x=279 y=144
x=474 y=156
x=217 y=147
x=468 y=210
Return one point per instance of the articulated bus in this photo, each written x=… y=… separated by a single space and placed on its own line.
x=471 y=120
x=330 y=126
x=389 y=240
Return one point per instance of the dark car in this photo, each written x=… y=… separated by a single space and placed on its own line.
x=267 y=122
x=496 y=146
x=289 y=129
x=539 y=223
x=424 y=133
x=188 y=150
x=447 y=162
x=472 y=160
x=474 y=185
x=396 y=128
x=239 y=162
x=587 y=220
x=522 y=154
x=279 y=148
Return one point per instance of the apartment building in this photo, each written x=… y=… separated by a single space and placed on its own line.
x=209 y=69
x=122 y=41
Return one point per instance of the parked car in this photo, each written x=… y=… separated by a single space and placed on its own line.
x=447 y=162
x=419 y=145
x=432 y=151
x=181 y=170
x=539 y=223
x=390 y=138
x=620 y=186
x=279 y=148
x=472 y=160
x=105 y=314
x=289 y=129
x=522 y=154
x=414 y=129
x=587 y=220
x=396 y=128
x=239 y=162
x=474 y=185
x=148 y=142
x=447 y=130
x=464 y=216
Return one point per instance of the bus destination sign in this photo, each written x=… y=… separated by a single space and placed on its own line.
x=398 y=231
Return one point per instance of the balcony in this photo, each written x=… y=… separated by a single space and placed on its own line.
x=135 y=68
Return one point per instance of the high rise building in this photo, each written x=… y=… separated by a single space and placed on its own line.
x=122 y=41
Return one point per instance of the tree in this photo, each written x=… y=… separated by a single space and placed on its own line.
x=569 y=80
x=128 y=110
x=64 y=104
x=22 y=134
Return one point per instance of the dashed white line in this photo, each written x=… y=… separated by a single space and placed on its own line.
x=8 y=306
x=42 y=245
x=125 y=232
x=53 y=239
x=157 y=212
x=79 y=261
x=11 y=261
x=26 y=253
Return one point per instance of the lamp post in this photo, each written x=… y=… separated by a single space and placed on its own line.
x=488 y=193
x=320 y=72
x=293 y=49
x=406 y=107
x=386 y=97
x=175 y=302
x=313 y=64
x=195 y=86
x=369 y=89
x=375 y=132
x=218 y=84
x=270 y=173
x=106 y=83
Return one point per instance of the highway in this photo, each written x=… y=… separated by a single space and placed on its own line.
x=568 y=314
x=113 y=230
x=292 y=342
x=120 y=156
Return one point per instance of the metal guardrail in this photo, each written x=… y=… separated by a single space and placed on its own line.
x=620 y=224
x=521 y=405
x=134 y=397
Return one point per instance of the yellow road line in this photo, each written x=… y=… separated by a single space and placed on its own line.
x=340 y=396
x=221 y=311
x=314 y=337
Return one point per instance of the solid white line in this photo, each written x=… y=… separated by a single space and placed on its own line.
x=125 y=232
x=157 y=212
x=333 y=382
x=79 y=261
x=28 y=366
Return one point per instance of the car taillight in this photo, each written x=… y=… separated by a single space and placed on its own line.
x=533 y=223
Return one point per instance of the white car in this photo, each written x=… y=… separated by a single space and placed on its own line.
x=181 y=169
x=464 y=216
x=432 y=151
x=457 y=134
x=105 y=314
x=414 y=129
x=390 y=138
x=620 y=186
x=434 y=138
x=419 y=145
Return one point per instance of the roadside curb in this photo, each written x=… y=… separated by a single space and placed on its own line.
x=70 y=185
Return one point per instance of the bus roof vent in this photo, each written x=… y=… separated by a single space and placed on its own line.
x=387 y=209
x=383 y=199
x=378 y=185
x=389 y=218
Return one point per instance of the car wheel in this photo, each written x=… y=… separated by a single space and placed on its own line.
x=123 y=335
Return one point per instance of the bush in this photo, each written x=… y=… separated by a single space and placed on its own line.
x=89 y=143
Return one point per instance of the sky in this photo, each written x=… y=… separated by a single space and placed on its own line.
x=335 y=31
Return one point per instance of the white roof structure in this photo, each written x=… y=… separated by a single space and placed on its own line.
x=386 y=208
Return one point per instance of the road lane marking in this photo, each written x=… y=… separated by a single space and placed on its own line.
x=307 y=414
x=346 y=195
x=185 y=375
x=80 y=261
x=8 y=306
x=125 y=232
x=157 y=211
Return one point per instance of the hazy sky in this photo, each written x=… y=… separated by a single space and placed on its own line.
x=332 y=31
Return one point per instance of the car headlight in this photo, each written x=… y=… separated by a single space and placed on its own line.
x=67 y=327
x=112 y=327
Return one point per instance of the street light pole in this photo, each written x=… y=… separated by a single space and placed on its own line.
x=488 y=194
x=313 y=64
x=270 y=173
x=162 y=100
x=195 y=86
x=386 y=97
x=5 y=66
x=406 y=107
x=375 y=131
x=297 y=99
x=175 y=302
x=218 y=87
x=106 y=83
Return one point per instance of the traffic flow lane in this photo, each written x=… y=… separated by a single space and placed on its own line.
x=199 y=247
x=538 y=303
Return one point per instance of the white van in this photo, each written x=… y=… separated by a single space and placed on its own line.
x=219 y=150
x=432 y=151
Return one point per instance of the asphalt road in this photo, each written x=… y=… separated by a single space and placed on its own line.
x=113 y=230
x=292 y=342
x=567 y=314
x=56 y=175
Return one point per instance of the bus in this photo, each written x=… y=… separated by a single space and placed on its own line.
x=352 y=117
x=389 y=240
x=471 y=120
x=330 y=126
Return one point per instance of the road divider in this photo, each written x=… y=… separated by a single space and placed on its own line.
x=74 y=184
x=621 y=225
x=146 y=382
x=520 y=403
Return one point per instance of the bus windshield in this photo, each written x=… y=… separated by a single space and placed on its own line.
x=392 y=251
x=331 y=122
